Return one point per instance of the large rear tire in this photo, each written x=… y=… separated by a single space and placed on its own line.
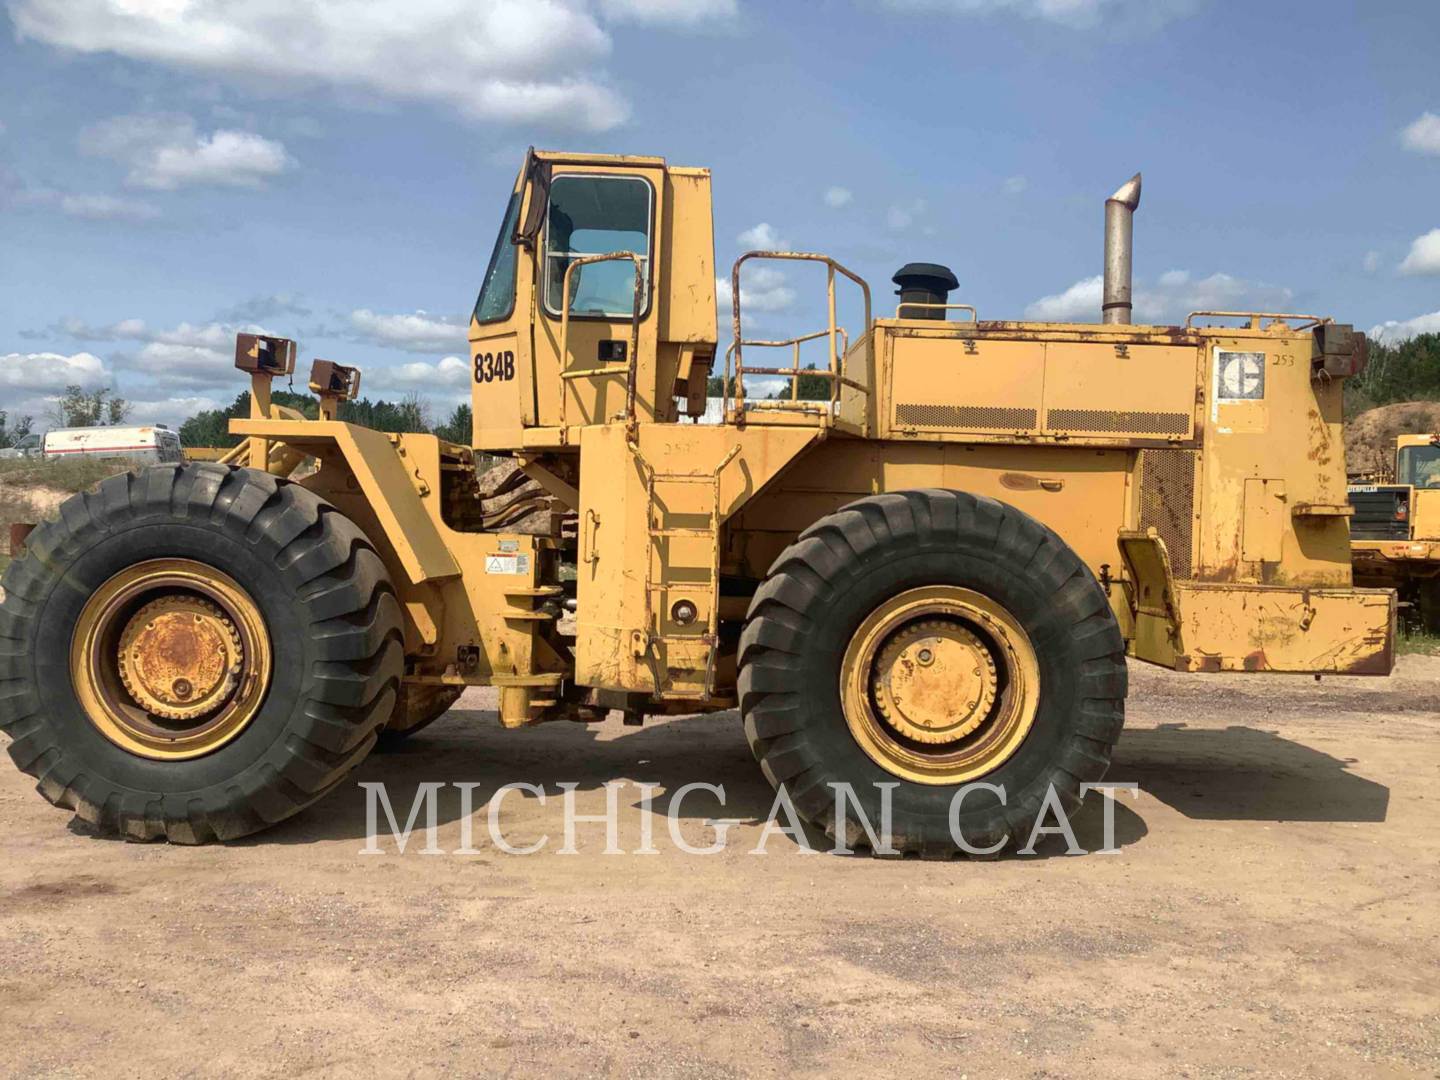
x=111 y=624
x=416 y=708
x=844 y=639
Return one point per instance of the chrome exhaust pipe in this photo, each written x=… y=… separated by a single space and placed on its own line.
x=1119 y=220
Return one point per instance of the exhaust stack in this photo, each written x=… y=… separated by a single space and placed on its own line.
x=1119 y=219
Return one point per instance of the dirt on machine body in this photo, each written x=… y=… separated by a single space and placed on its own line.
x=927 y=574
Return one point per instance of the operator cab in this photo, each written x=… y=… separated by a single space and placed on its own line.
x=598 y=301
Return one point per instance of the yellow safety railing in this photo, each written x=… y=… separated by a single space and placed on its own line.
x=794 y=372
x=628 y=369
x=836 y=335
x=911 y=305
x=1256 y=316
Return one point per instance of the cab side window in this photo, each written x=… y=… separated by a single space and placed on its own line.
x=597 y=215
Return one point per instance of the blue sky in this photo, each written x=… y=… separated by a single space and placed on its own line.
x=174 y=170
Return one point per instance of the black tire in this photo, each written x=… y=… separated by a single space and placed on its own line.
x=416 y=708
x=838 y=571
x=328 y=605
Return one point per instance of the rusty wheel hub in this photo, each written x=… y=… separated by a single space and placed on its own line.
x=170 y=659
x=934 y=682
x=940 y=685
x=180 y=657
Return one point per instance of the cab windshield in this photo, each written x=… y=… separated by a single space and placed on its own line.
x=497 y=293
x=1419 y=466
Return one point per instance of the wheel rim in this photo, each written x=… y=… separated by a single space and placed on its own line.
x=170 y=659
x=940 y=685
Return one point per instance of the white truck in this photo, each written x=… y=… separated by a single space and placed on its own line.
x=151 y=444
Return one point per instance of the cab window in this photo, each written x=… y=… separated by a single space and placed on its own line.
x=597 y=215
x=1419 y=466
x=497 y=292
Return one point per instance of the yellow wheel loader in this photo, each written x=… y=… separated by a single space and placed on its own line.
x=925 y=577
x=1395 y=530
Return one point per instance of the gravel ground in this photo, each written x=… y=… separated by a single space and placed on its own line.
x=1271 y=912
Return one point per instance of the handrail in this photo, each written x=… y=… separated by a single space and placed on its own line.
x=739 y=343
x=792 y=373
x=1256 y=316
x=974 y=315
x=628 y=369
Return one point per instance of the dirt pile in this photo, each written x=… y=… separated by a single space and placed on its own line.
x=1370 y=437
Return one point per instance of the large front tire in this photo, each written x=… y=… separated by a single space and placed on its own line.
x=859 y=613
x=109 y=694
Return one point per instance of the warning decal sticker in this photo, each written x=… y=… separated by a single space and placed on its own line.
x=507 y=564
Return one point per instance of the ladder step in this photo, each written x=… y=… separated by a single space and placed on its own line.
x=682 y=532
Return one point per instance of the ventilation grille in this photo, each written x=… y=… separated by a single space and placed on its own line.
x=1110 y=420
x=1167 y=502
x=992 y=417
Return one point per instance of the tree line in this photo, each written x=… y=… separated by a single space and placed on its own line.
x=1406 y=371
x=102 y=408
x=409 y=414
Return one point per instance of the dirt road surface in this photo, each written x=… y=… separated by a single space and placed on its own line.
x=1272 y=911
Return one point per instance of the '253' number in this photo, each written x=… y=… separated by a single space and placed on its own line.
x=494 y=367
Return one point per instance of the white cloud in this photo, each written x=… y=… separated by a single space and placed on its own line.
x=181 y=365
x=48 y=372
x=762 y=288
x=1424 y=257
x=106 y=208
x=1392 y=332
x=1371 y=262
x=450 y=373
x=1174 y=295
x=165 y=151
x=1079 y=303
x=1078 y=14
x=173 y=411
x=1014 y=185
x=214 y=335
x=185 y=355
x=88 y=207
x=762 y=237
x=1422 y=136
x=836 y=197
x=677 y=13
x=902 y=215
x=417 y=332
x=518 y=61
x=443 y=384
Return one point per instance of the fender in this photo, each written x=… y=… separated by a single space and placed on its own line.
x=394 y=491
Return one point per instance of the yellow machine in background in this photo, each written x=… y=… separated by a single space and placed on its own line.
x=1395 y=530
x=929 y=576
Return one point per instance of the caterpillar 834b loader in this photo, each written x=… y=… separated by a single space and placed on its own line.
x=929 y=577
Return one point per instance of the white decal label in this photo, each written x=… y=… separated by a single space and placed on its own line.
x=1239 y=376
x=507 y=564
